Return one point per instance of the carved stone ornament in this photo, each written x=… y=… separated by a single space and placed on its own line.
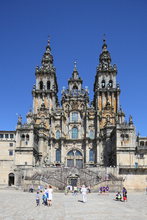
x=75 y=105
x=46 y=160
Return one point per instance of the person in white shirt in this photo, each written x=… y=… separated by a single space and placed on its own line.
x=50 y=195
x=84 y=193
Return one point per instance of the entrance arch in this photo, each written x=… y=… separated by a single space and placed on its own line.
x=11 y=179
x=74 y=159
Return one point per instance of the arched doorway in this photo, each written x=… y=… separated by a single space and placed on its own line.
x=74 y=159
x=73 y=179
x=11 y=179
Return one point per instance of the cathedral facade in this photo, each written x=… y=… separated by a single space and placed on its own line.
x=76 y=134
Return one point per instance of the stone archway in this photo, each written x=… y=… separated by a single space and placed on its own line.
x=11 y=179
x=73 y=180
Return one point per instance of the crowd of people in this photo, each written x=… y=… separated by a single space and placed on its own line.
x=46 y=194
x=75 y=189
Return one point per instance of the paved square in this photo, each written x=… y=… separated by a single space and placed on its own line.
x=16 y=205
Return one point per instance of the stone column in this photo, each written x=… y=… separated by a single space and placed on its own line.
x=51 y=152
x=62 y=151
x=87 y=152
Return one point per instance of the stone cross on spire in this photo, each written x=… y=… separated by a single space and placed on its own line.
x=48 y=40
x=75 y=65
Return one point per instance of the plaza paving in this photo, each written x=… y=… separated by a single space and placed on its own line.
x=16 y=205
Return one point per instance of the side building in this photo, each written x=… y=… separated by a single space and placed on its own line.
x=77 y=141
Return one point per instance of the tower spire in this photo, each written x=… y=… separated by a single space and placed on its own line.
x=105 y=55
x=47 y=59
x=46 y=87
x=75 y=66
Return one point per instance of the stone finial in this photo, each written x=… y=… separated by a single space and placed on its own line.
x=130 y=120
x=19 y=122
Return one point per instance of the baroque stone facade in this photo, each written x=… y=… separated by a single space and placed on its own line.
x=78 y=134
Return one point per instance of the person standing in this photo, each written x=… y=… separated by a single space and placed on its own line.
x=84 y=193
x=50 y=195
x=124 y=191
x=37 y=199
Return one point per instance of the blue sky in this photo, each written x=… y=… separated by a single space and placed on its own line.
x=76 y=29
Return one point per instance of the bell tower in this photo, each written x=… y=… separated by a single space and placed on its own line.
x=45 y=90
x=106 y=90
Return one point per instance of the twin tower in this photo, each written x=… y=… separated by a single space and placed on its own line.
x=76 y=133
x=106 y=90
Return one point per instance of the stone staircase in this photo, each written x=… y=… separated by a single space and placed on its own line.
x=58 y=177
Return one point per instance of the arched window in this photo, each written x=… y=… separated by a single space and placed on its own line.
x=41 y=85
x=74 y=159
x=103 y=83
x=58 y=155
x=141 y=143
x=74 y=133
x=78 y=153
x=91 y=134
x=75 y=87
x=127 y=136
x=58 y=134
x=74 y=117
x=111 y=83
x=27 y=137
x=91 y=155
x=22 y=137
x=48 y=85
x=122 y=136
x=70 y=153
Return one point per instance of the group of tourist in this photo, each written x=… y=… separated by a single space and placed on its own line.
x=121 y=197
x=47 y=193
x=47 y=196
x=75 y=189
x=104 y=189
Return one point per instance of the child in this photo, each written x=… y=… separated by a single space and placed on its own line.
x=37 y=199
x=44 y=199
x=118 y=196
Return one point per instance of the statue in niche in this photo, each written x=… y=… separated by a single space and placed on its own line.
x=46 y=160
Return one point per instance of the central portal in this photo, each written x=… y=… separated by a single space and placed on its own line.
x=73 y=182
x=75 y=159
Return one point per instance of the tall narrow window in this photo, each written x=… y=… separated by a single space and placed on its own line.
x=74 y=117
x=91 y=155
x=41 y=85
x=11 y=135
x=10 y=152
x=1 y=135
x=91 y=134
x=74 y=133
x=6 y=135
x=141 y=143
x=58 y=155
x=27 y=137
x=103 y=83
x=22 y=137
x=111 y=83
x=58 y=134
x=48 y=85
